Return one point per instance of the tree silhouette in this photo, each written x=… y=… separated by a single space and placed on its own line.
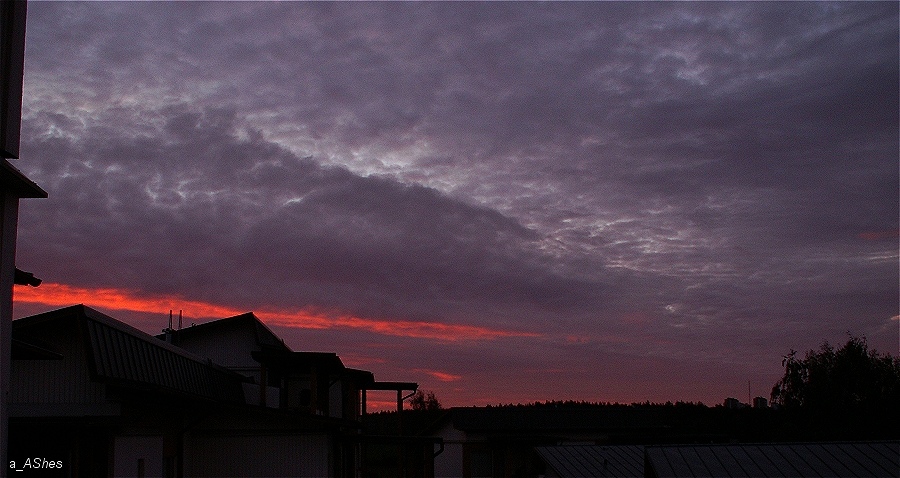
x=852 y=377
x=424 y=401
x=846 y=393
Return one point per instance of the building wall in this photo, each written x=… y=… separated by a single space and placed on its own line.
x=230 y=347
x=254 y=455
x=336 y=400
x=138 y=456
x=252 y=394
x=66 y=381
x=450 y=461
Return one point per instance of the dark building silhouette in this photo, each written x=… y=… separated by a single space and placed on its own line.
x=13 y=184
x=225 y=398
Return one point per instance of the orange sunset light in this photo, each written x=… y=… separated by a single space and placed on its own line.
x=60 y=295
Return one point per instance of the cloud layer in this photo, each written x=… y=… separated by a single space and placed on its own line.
x=626 y=186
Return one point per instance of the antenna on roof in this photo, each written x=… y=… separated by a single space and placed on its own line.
x=179 y=319
x=168 y=330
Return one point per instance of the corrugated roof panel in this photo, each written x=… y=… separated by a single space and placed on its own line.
x=120 y=355
x=658 y=461
x=715 y=463
x=676 y=461
x=575 y=463
x=94 y=344
x=625 y=461
x=155 y=366
x=828 y=454
x=750 y=461
x=883 y=457
x=808 y=460
x=131 y=358
x=596 y=463
x=781 y=460
x=105 y=351
x=851 y=454
x=563 y=463
x=141 y=352
x=114 y=346
x=866 y=456
x=770 y=462
x=806 y=463
x=695 y=462
x=151 y=373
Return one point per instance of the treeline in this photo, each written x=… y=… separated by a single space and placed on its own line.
x=844 y=393
x=588 y=404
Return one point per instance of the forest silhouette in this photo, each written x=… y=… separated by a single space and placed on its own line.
x=846 y=393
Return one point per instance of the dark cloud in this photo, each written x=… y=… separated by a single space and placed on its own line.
x=245 y=222
x=686 y=181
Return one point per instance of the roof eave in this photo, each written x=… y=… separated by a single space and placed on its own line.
x=13 y=180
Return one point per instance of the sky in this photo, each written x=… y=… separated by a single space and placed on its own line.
x=504 y=202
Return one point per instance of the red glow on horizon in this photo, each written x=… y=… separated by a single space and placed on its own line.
x=61 y=295
x=374 y=406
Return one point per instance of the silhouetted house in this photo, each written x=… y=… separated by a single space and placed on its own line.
x=313 y=382
x=110 y=400
x=107 y=399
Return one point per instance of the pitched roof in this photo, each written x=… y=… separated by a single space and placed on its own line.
x=578 y=461
x=123 y=355
x=846 y=460
x=263 y=335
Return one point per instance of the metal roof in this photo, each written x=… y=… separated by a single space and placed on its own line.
x=579 y=461
x=125 y=356
x=845 y=460
x=145 y=362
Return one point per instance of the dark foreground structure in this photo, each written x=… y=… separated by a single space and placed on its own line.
x=846 y=460
x=14 y=186
x=91 y=396
x=651 y=441
x=94 y=397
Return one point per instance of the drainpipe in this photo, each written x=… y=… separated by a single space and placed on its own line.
x=400 y=400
